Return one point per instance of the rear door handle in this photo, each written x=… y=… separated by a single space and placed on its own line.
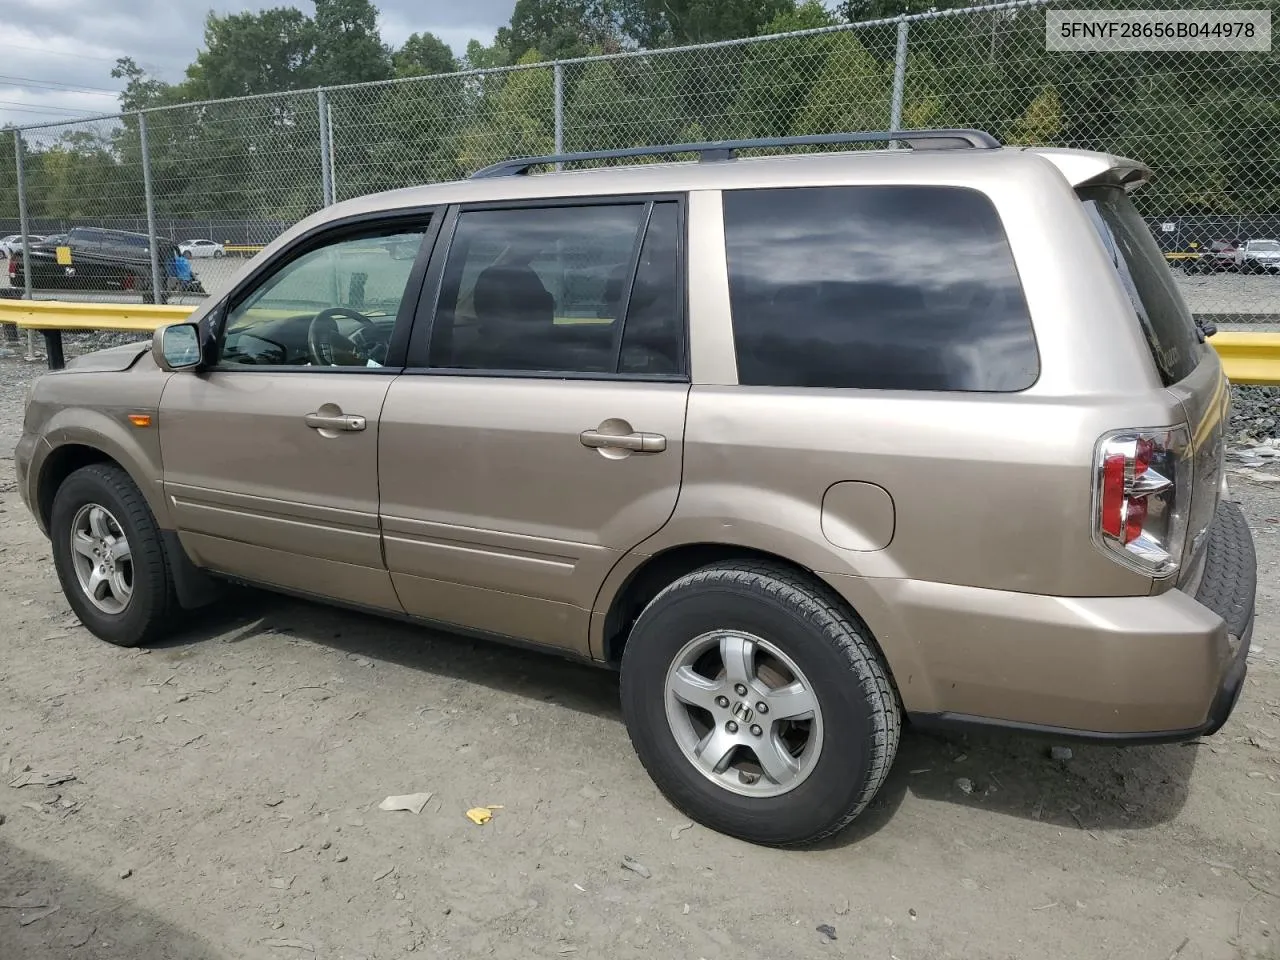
x=334 y=421
x=635 y=442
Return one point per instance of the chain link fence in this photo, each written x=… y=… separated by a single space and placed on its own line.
x=240 y=171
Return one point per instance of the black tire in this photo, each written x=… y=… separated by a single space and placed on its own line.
x=217 y=254
x=152 y=609
x=812 y=626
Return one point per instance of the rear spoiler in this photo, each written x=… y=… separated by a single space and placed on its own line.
x=1088 y=168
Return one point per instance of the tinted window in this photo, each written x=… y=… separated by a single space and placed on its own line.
x=890 y=288
x=545 y=288
x=1166 y=321
x=334 y=305
x=651 y=341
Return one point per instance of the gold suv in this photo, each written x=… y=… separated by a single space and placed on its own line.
x=808 y=446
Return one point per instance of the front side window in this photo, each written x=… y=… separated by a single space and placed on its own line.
x=875 y=287
x=333 y=306
x=568 y=289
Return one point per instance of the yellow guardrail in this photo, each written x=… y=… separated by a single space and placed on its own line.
x=73 y=315
x=244 y=249
x=1247 y=357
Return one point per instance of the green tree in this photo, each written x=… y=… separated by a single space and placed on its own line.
x=248 y=53
x=613 y=104
x=480 y=57
x=560 y=29
x=515 y=118
x=664 y=23
x=423 y=55
x=142 y=89
x=348 y=46
x=852 y=92
x=857 y=11
x=777 y=75
x=1041 y=124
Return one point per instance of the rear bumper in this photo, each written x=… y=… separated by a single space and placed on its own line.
x=1228 y=587
x=1135 y=669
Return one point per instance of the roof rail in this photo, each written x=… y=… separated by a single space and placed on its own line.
x=728 y=149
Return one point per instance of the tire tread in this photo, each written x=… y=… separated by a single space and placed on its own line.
x=839 y=625
x=150 y=558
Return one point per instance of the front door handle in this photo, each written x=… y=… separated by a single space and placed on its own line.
x=635 y=442
x=333 y=421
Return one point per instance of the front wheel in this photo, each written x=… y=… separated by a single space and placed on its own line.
x=758 y=704
x=110 y=557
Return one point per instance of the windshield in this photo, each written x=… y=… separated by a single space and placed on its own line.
x=1166 y=322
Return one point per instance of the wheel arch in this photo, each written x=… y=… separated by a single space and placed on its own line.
x=618 y=609
x=58 y=464
x=93 y=437
x=194 y=587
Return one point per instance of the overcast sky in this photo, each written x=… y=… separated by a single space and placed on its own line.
x=49 y=47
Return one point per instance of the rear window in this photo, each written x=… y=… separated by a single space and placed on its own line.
x=876 y=287
x=1166 y=322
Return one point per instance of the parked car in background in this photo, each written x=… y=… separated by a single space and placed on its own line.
x=198 y=249
x=1215 y=257
x=1259 y=256
x=13 y=242
x=94 y=258
x=807 y=447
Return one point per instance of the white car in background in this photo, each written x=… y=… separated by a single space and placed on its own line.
x=13 y=243
x=1259 y=256
x=191 y=249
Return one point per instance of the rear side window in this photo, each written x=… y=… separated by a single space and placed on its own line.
x=584 y=289
x=1166 y=321
x=876 y=287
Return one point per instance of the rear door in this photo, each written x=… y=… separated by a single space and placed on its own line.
x=537 y=434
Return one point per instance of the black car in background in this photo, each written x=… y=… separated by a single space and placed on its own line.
x=1215 y=257
x=94 y=258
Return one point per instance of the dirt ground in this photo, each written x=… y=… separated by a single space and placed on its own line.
x=226 y=791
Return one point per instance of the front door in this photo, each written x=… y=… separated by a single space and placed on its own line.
x=538 y=436
x=271 y=456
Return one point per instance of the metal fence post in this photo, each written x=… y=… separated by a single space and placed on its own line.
x=24 y=224
x=899 y=75
x=326 y=167
x=157 y=288
x=333 y=157
x=10 y=333
x=558 y=76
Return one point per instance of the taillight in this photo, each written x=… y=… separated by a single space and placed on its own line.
x=13 y=267
x=1142 y=492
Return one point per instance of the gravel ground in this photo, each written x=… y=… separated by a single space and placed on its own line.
x=226 y=788
x=1231 y=293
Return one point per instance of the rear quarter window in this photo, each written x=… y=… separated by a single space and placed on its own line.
x=876 y=287
x=1167 y=324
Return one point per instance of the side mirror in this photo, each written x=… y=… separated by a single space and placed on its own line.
x=177 y=347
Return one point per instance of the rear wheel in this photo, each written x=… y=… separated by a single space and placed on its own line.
x=110 y=557
x=758 y=704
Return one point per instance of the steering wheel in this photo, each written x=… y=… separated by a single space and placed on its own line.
x=326 y=344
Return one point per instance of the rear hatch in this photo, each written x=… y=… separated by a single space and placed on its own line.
x=1188 y=367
